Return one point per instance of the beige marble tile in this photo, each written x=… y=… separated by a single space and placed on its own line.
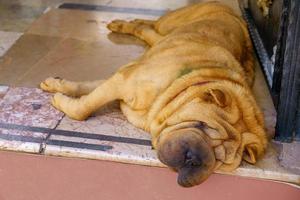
x=79 y=60
x=103 y=150
x=108 y=121
x=16 y=17
x=93 y=55
x=7 y=39
x=23 y=55
x=78 y=24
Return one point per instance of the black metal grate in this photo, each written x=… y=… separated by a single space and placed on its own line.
x=283 y=76
x=262 y=54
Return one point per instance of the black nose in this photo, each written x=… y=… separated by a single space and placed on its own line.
x=192 y=159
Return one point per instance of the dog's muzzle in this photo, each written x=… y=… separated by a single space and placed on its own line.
x=187 y=151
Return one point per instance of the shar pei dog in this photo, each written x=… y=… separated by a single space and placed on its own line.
x=191 y=90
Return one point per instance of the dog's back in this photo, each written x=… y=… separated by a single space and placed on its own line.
x=212 y=36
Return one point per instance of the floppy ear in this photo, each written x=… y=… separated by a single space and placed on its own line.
x=250 y=154
x=253 y=147
x=217 y=97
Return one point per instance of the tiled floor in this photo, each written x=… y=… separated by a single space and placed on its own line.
x=25 y=107
x=78 y=60
x=76 y=45
x=16 y=17
x=71 y=44
x=27 y=51
x=7 y=39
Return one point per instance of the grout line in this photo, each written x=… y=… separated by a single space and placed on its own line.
x=43 y=144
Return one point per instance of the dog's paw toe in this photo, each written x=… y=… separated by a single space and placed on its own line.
x=116 y=25
x=50 y=84
x=44 y=86
x=55 y=100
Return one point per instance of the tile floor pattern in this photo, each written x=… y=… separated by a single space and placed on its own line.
x=29 y=123
x=75 y=44
x=25 y=107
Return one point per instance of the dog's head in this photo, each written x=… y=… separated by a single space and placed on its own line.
x=187 y=151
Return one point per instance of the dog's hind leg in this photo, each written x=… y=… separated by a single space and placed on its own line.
x=142 y=29
x=81 y=108
x=70 y=88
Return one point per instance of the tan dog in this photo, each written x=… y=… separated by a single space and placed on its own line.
x=190 y=90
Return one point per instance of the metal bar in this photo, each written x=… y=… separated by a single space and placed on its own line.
x=281 y=42
x=261 y=51
x=290 y=83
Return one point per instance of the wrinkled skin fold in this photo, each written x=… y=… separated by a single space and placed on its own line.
x=191 y=90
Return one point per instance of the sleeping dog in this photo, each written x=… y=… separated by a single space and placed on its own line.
x=191 y=90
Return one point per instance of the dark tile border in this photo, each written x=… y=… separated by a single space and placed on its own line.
x=76 y=134
x=21 y=138
x=103 y=8
x=79 y=145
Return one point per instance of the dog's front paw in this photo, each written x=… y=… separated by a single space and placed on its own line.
x=51 y=84
x=116 y=25
x=55 y=101
x=72 y=107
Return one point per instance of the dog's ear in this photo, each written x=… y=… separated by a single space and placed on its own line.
x=217 y=97
x=250 y=154
x=253 y=147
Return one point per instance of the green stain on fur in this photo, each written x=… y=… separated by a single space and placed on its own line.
x=184 y=71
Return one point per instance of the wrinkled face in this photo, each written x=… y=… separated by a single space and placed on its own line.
x=187 y=152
